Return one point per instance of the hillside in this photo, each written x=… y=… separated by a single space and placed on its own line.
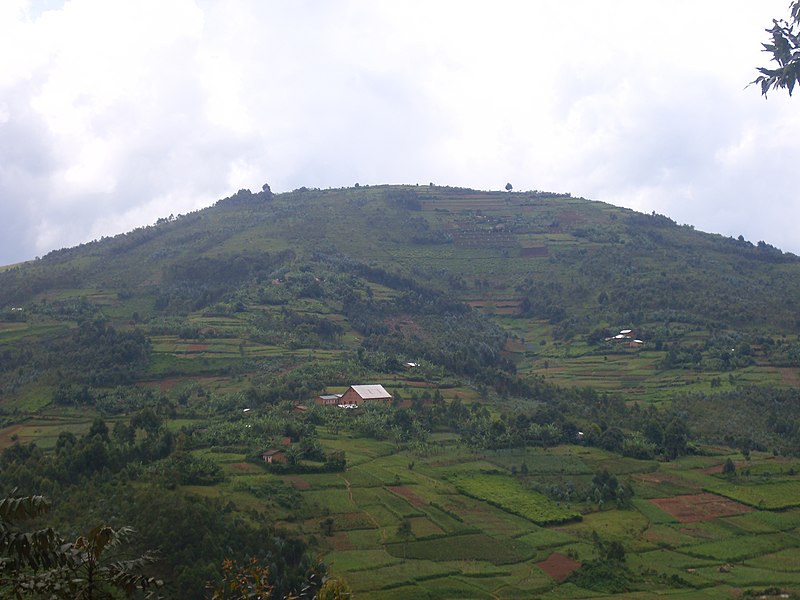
x=558 y=274
x=496 y=321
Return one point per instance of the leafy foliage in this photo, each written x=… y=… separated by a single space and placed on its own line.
x=41 y=562
x=785 y=50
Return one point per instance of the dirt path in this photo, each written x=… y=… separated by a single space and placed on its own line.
x=372 y=519
x=349 y=490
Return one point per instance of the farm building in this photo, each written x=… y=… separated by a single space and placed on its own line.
x=274 y=456
x=328 y=400
x=359 y=394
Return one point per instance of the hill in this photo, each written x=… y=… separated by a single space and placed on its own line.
x=501 y=322
x=559 y=275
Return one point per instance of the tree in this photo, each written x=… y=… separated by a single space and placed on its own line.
x=676 y=437
x=335 y=589
x=21 y=550
x=41 y=563
x=509 y=187
x=729 y=469
x=785 y=50
x=404 y=532
x=243 y=581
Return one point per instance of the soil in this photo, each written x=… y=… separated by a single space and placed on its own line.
x=699 y=507
x=409 y=495
x=298 y=483
x=558 y=566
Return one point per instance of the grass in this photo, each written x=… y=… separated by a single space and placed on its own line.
x=743 y=547
x=462 y=547
x=770 y=496
x=508 y=494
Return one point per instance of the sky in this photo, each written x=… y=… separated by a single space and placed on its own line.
x=114 y=113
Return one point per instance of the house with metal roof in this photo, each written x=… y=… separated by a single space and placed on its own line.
x=359 y=394
x=328 y=399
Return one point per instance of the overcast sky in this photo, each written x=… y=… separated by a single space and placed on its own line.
x=115 y=113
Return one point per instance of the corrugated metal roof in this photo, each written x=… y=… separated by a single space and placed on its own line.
x=371 y=391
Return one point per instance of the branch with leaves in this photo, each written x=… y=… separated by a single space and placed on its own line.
x=41 y=562
x=785 y=50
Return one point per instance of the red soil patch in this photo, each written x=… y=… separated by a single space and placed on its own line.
x=405 y=325
x=298 y=483
x=514 y=346
x=414 y=383
x=718 y=469
x=660 y=478
x=558 y=566
x=197 y=347
x=569 y=216
x=244 y=467
x=5 y=435
x=164 y=385
x=699 y=507
x=340 y=541
x=697 y=532
x=409 y=495
x=789 y=376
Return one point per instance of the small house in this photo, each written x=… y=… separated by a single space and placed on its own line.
x=328 y=400
x=274 y=456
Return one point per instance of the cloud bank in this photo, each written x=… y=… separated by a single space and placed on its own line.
x=114 y=113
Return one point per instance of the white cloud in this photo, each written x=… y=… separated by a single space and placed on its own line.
x=116 y=112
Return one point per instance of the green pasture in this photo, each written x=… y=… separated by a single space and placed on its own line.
x=743 y=547
x=508 y=494
x=770 y=496
x=43 y=431
x=744 y=576
x=787 y=560
x=14 y=332
x=563 y=460
x=478 y=546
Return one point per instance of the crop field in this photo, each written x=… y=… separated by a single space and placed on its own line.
x=476 y=531
x=699 y=507
x=508 y=494
x=743 y=547
x=770 y=496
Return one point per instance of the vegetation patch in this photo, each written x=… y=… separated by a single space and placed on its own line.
x=770 y=496
x=744 y=547
x=508 y=494
x=476 y=546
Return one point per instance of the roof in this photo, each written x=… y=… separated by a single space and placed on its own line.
x=330 y=396
x=370 y=391
x=272 y=452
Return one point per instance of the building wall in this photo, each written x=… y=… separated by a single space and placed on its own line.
x=351 y=397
